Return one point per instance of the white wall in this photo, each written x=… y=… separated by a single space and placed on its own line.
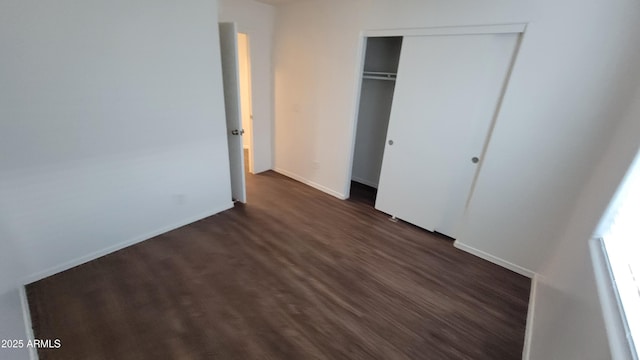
x=12 y=325
x=568 y=321
x=257 y=20
x=570 y=80
x=111 y=127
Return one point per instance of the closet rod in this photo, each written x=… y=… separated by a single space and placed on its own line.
x=372 y=77
x=379 y=75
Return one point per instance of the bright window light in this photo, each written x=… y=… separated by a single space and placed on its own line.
x=622 y=243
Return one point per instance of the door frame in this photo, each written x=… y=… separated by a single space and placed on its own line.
x=516 y=28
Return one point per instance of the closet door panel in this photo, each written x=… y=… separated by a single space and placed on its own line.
x=446 y=97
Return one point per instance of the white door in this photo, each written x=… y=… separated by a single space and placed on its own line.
x=231 y=83
x=446 y=96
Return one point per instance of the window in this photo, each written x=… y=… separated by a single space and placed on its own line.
x=621 y=239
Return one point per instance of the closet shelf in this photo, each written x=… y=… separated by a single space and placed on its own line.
x=378 y=75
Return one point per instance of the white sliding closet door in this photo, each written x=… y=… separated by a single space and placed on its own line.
x=446 y=96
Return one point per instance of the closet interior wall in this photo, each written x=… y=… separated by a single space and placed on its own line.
x=376 y=96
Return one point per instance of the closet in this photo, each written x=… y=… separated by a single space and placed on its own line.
x=444 y=101
x=376 y=95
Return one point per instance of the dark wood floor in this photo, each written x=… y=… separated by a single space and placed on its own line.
x=293 y=274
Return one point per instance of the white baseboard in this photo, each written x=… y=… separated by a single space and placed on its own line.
x=92 y=256
x=28 y=325
x=365 y=182
x=528 y=334
x=494 y=259
x=310 y=183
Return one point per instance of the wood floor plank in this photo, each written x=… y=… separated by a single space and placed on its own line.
x=293 y=274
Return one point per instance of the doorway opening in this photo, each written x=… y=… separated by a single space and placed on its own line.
x=382 y=56
x=244 y=69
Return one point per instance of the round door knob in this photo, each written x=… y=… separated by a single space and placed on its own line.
x=475 y=160
x=390 y=142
